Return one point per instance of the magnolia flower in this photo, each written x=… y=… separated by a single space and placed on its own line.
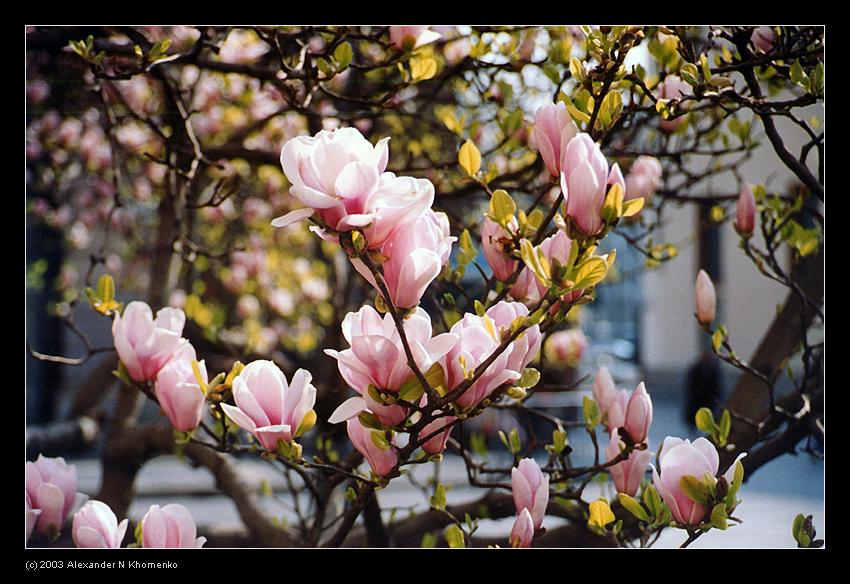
x=407 y=38
x=437 y=443
x=478 y=337
x=381 y=460
x=530 y=490
x=51 y=484
x=31 y=515
x=523 y=530
x=585 y=178
x=673 y=88
x=494 y=238
x=745 y=211
x=267 y=406
x=416 y=253
x=679 y=458
x=632 y=412
x=143 y=344
x=377 y=356
x=171 y=526
x=763 y=38
x=705 y=298
x=178 y=392
x=340 y=175
x=643 y=178
x=629 y=473
x=553 y=130
x=566 y=347
x=95 y=526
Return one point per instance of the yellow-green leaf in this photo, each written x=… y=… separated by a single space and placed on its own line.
x=469 y=158
x=600 y=514
x=422 y=68
x=633 y=206
x=590 y=272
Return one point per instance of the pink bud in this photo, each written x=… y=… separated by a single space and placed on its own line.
x=143 y=344
x=566 y=347
x=705 y=298
x=584 y=180
x=553 y=130
x=679 y=458
x=604 y=390
x=380 y=460
x=494 y=238
x=763 y=38
x=95 y=526
x=178 y=392
x=416 y=253
x=527 y=287
x=407 y=38
x=673 y=88
x=267 y=405
x=629 y=473
x=51 y=484
x=523 y=530
x=745 y=211
x=643 y=178
x=437 y=443
x=171 y=526
x=638 y=414
x=530 y=490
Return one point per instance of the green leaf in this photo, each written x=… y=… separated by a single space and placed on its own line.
x=600 y=514
x=693 y=489
x=633 y=206
x=689 y=74
x=530 y=377
x=590 y=409
x=718 y=516
x=633 y=507
x=725 y=427
x=411 y=390
x=705 y=420
x=438 y=499
x=467 y=249
x=454 y=536
x=379 y=439
x=590 y=272
x=343 y=55
x=652 y=500
x=798 y=76
x=307 y=423
x=429 y=540
x=559 y=441
x=422 y=68
x=797 y=526
x=502 y=207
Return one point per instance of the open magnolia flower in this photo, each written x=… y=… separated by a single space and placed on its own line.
x=145 y=344
x=340 y=176
x=269 y=407
x=679 y=458
x=377 y=356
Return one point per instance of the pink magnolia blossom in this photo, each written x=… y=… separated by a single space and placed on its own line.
x=51 y=485
x=673 y=88
x=745 y=211
x=437 y=443
x=763 y=38
x=585 y=178
x=416 y=253
x=267 y=405
x=679 y=458
x=376 y=355
x=407 y=38
x=620 y=409
x=530 y=490
x=340 y=175
x=494 y=238
x=643 y=178
x=143 y=344
x=524 y=348
x=553 y=130
x=566 y=347
x=95 y=526
x=629 y=473
x=31 y=515
x=178 y=392
x=522 y=533
x=479 y=337
x=705 y=298
x=170 y=526
x=381 y=461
